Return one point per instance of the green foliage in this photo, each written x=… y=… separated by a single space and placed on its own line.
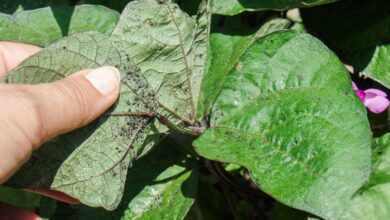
x=94 y=158
x=232 y=7
x=281 y=113
x=227 y=43
x=47 y=25
x=12 y=6
x=358 y=33
x=273 y=105
x=170 y=50
x=162 y=184
x=373 y=200
x=19 y=198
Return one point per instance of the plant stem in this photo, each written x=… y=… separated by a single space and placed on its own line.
x=178 y=128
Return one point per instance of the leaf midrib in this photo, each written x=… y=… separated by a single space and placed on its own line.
x=192 y=119
x=123 y=156
x=270 y=93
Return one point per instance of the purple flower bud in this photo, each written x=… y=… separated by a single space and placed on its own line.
x=374 y=99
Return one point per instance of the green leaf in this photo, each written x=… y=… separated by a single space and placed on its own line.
x=46 y=25
x=288 y=113
x=373 y=201
x=208 y=203
x=11 y=6
x=380 y=160
x=170 y=48
x=161 y=185
x=372 y=204
x=227 y=43
x=91 y=163
x=19 y=198
x=361 y=37
x=232 y=7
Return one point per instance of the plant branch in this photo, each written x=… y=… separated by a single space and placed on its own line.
x=178 y=128
x=149 y=114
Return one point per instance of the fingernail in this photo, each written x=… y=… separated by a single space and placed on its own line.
x=105 y=79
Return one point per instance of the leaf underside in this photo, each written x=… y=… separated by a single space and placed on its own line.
x=170 y=48
x=288 y=113
x=89 y=164
x=161 y=185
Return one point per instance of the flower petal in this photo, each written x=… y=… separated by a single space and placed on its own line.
x=361 y=94
x=371 y=92
x=376 y=104
x=354 y=86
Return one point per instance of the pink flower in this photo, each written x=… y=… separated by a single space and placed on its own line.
x=374 y=99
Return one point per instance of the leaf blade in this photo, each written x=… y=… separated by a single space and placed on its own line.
x=282 y=114
x=94 y=158
x=169 y=47
x=222 y=61
x=233 y=7
x=161 y=185
x=372 y=201
x=46 y=25
x=360 y=37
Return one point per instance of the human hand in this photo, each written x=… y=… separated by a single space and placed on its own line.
x=33 y=114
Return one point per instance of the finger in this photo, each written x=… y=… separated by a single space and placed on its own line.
x=12 y=54
x=9 y=212
x=33 y=114
x=55 y=195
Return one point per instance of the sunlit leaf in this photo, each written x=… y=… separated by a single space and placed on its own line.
x=170 y=48
x=232 y=7
x=46 y=25
x=288 y=113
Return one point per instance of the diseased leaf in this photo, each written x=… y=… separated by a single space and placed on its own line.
x=227 y=44
x=358 y=33
x=91 y=163
x=46 y=25
x=288 y=113
x=170 y=48
x=232 y=7
x=161 y=185
x=373 y=201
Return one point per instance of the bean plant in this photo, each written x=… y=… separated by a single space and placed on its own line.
x=229 y=109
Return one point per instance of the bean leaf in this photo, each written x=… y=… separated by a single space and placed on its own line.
x=161 y=185
x=46 y=25
x=288 y=113
x=170 y=48
x=232 y=7
x=91 y=163
x=373 y=200
x=361 y=37
x=227 y=44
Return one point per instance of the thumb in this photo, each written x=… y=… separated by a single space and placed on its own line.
x=33 y=114
x=75 y=101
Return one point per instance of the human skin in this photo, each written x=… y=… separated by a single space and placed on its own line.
x=33 y=114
